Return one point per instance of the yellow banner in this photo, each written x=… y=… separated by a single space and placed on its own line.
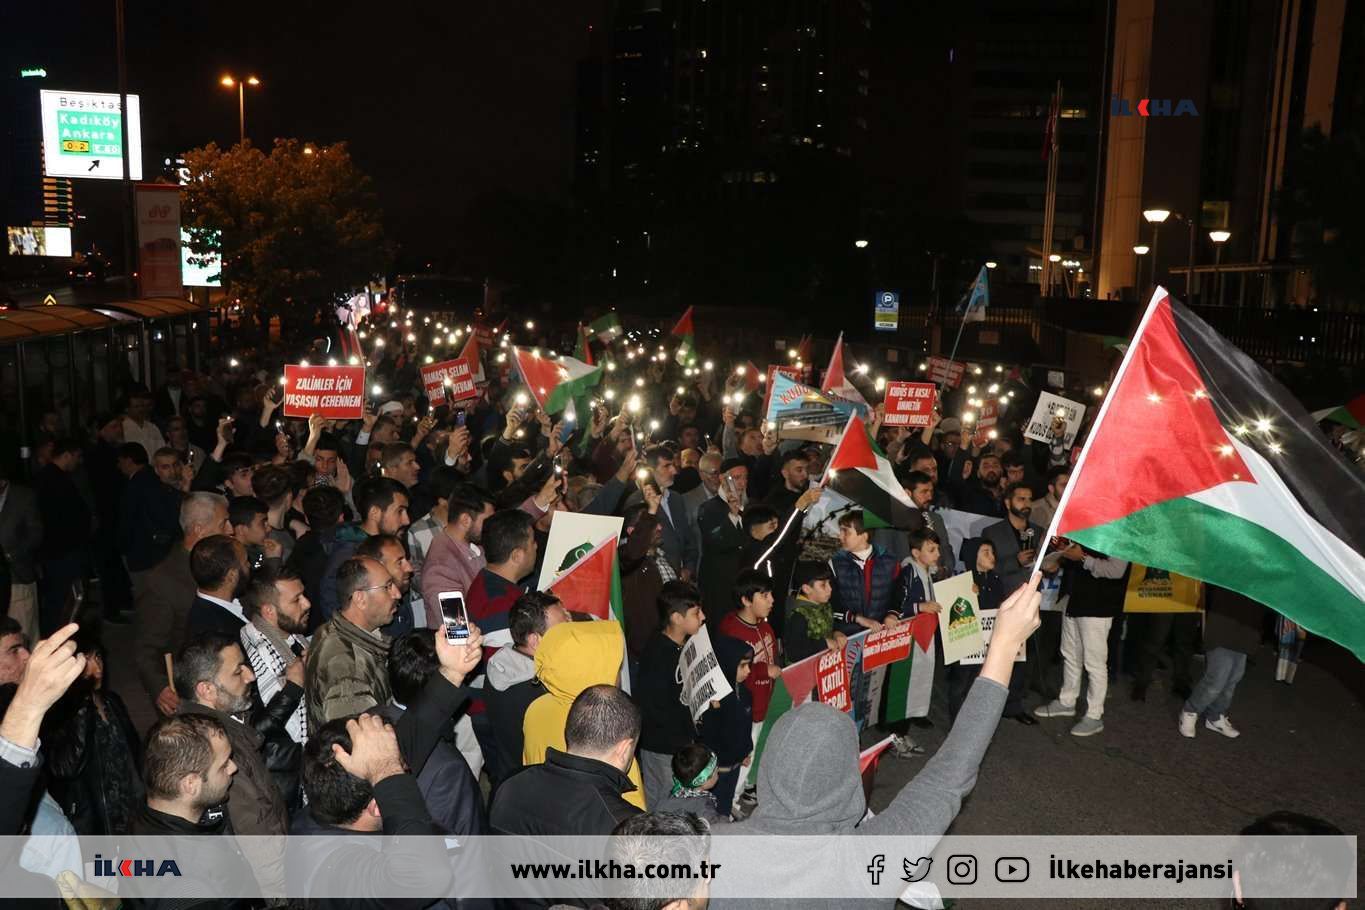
x=1158 y=591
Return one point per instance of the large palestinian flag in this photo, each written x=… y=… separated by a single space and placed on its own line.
x=591 y=581
x=859 y=471
x=1351 y=414
x=555 y=381
x=1201 y=463
x=836 y=380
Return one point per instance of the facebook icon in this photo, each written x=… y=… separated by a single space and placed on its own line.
x=876 y=867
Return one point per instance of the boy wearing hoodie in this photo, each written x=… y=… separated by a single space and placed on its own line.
x=511 y=675
x=727 y=726
x=573 y=656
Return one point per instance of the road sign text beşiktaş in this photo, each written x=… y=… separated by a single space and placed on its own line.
x=83 y=134
x=909 y=404
x=337 y=393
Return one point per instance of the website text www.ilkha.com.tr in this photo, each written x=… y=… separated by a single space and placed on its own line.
x=609 y=869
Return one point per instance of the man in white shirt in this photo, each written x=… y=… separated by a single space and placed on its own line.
x=221 y=572
x=275 y=636
x=138 y=426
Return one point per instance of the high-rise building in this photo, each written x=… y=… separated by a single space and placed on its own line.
x=29 y=197
x=716 y=118
x=1231 y=88
x=1010 y=58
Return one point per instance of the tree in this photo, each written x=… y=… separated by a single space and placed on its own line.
x=297 y=226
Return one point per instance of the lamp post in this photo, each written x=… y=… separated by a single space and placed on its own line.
x=240 y=85
x=1219 y=238
x=1156 y=218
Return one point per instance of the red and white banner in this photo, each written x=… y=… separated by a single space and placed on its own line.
x=832 y=680
x=986 y=421
x=909 y=404
x=942 y=369
x=448 y=381
x=886 y=647
x=337 y=393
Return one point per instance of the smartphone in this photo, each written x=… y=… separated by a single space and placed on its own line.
x=454 y=618
x=460 y=418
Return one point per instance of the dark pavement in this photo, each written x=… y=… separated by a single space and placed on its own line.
x=1302 y=748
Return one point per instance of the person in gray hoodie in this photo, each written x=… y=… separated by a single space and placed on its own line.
x=809 y=783
x=511 y=673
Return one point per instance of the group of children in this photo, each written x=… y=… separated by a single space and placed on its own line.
x=861 y=587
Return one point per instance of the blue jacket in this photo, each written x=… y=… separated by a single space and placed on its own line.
x=853 y=584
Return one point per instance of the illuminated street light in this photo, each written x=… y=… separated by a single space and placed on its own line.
x=240 y=84
x=860 y=244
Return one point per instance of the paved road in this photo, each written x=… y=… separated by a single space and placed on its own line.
x=1301 y=748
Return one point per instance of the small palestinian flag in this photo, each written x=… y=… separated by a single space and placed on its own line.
x=470 y=355
x=687 y=349
x=591 y=583
x=861 y=472
x=554 y=382
x=607 y=328
x=1348 y=415
x=836 y=380
x=1201 y=463
x=583 y=349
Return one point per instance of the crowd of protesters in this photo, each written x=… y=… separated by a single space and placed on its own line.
x=282 y=578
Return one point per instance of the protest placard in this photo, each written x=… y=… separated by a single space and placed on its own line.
x=909 y=404
x=572 y=536
x=337 y=393
x=886 y=646
x=790 y=371
x=702 y=679
x=986 y=421
x=987 y=627
x=832 y=681
x=1050 y=407
x=959 y=624
x=448 y=381
x=944 y=371
x=1158 y=591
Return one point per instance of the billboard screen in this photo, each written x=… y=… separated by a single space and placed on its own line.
x=38 y=241
x=199 y=271
x=83 y=135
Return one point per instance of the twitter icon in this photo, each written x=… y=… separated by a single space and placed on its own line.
x=917 y=870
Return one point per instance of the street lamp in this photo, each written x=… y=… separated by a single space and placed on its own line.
x=860 y=244
x=1156 y=218
x=1219 y=238
x=240 y=85
x=991 y=263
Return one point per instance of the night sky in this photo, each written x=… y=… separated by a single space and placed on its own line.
x=439 y=100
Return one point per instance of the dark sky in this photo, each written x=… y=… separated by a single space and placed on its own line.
x=439 y=99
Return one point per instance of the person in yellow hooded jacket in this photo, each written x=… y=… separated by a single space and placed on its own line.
x=573 y=656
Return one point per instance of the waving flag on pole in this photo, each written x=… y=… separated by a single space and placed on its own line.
x=972 y=306
x=836 y=380
x=859 y=471
x=687 y=350
x=1201 y=463
x=554 y=382
x=583 y=349
x=1351 y=414
x=607 y=328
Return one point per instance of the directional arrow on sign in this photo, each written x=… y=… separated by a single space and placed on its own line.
x=93 y=166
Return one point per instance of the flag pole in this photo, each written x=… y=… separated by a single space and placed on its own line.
x=1158 y=295
x=953 y=356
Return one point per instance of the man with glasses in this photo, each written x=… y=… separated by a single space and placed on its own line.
x=347 y=669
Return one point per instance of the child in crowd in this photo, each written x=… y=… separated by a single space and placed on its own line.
x=727 y=725
x=811 y=626
x=865 y=577
x=695 y=774
x=918 y=580
x=979 y=553
x=753 y=595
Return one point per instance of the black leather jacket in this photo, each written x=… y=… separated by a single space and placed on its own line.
x=92 y=787
x=283 y=757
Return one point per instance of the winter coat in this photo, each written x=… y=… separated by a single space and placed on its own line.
x=511 y=688
x=728 y=729
x=573 y=656
x=347 y=672
x=564 y=795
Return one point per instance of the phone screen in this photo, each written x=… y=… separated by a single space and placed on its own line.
x=453 y=617
x=459 y=418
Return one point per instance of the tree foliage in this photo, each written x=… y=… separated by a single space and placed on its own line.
x=295 y=226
